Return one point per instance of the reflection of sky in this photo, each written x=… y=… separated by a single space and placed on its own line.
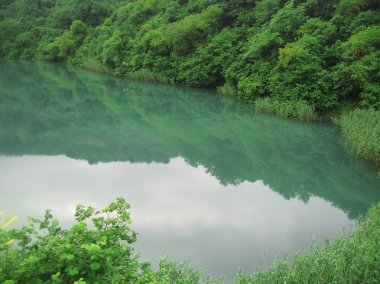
x=178 y=210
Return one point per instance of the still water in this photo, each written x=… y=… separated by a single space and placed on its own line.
x=209 y=180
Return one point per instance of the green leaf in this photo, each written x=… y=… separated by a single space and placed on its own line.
x=73 y=271
x=80 y=281
x=56 y=277
x=95 y=266
x=70 y=257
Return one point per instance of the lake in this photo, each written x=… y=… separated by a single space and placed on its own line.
x=209 y=180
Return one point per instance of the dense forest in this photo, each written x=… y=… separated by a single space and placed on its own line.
x=323 y=53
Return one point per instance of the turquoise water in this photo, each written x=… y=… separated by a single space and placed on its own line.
x=209 y=180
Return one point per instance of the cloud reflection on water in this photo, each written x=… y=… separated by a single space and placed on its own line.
x=178 y=210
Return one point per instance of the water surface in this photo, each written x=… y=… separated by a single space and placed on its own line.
x=209 y=180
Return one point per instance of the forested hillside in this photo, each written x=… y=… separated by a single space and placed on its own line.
x=321 y=52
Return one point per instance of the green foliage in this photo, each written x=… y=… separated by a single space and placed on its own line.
x=64 y=46
x=363 y=43
x=265 y=9
x=182 y=35
x=50 y=254
x=353 y=7
x=9 y=29
x=352 y=259
x=299 y=75
x=362 y=130
x=206 y=66
x=293 y=109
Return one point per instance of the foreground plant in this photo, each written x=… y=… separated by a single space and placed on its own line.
x=55 y=255
x=94 y=250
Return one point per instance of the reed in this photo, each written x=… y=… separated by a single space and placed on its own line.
x=293 y=109
x=227 y=90
x=95 y=66
x=361 y=129
x=146 y=75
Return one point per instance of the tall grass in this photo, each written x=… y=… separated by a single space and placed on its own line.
x=95 y=66
x=227 y=90
x=353 y=259
x=146 y=75
x=294 y=109
x=361 y=129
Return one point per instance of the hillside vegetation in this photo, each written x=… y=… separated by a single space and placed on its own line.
x=319 y=52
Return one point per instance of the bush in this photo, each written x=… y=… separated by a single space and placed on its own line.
x=295 y=109
x=95 y=250
x=361 y=129
x=64 y=256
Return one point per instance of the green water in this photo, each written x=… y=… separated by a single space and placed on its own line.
x=205 y=175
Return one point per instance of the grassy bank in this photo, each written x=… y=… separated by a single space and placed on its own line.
x=354 y=259
x=145 y=75
x=292 y=109
x=361 y=129
x=82 y=255
x=95 y=66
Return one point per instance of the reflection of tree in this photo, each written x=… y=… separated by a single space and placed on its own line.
x=50 y=110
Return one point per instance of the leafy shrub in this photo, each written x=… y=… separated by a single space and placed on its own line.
x=299 y=75
x=361 y=128
x=182 y=35
x=96 y=255
x=94 y=250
